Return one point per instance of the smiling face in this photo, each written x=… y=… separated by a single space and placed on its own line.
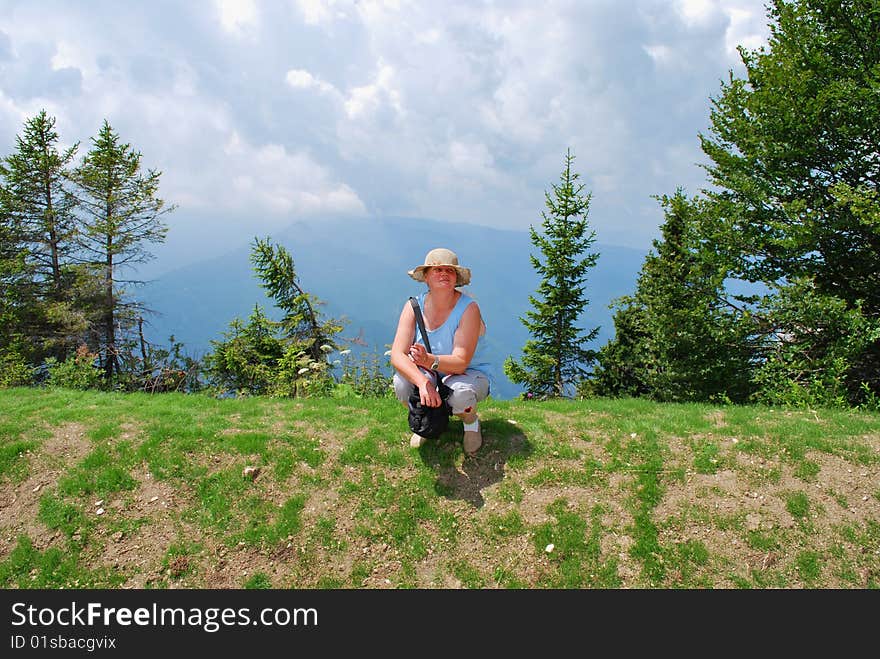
x=441 y=276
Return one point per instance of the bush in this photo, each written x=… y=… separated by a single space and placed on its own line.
x=362 y=376
x=297 y=375
x=14 y=370
x=810 y=357
x=78 y=372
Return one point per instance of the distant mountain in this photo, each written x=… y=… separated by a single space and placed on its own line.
x=358 y=268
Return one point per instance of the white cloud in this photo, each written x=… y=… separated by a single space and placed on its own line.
x=746 y=20
x=458 y=109
x=464 y=166
x=747 y=28
x=660 y=53
x=322 y=12
x=366 y=99
x=237 y=16
x=270 y=180
x=696 y=12
x=302 y=79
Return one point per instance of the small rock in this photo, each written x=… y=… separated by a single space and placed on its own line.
x=36 y=488
x=99 y=511
x=154 y=499
x=117 y=536
x=250 y=472
x=98 y=504
x=549 y=548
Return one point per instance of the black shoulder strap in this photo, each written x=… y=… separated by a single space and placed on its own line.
x=420 y=322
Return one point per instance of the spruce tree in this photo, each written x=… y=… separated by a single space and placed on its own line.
x=680 y=336
x=38 y=240
x=554 y=360
x=120 y=214
x=36 y=182
x=302 y=323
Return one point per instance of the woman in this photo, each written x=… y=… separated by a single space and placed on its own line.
x=455 y=331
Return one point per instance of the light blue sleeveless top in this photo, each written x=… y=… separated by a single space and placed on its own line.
x=442 y=338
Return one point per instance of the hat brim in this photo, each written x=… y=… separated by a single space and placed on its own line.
x=462 y=274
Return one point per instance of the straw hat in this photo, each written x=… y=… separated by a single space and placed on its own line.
x=444 y=257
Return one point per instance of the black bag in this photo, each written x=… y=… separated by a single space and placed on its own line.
x=430 y=422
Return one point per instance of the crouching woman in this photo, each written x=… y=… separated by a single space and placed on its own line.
x=455 y=331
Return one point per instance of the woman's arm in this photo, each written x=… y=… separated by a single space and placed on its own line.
x=402 y=361
x=464 y=343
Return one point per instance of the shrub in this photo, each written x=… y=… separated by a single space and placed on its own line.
x=14 y=370
x=80 y=371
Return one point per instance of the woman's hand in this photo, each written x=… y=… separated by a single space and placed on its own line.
x=419 y=355
x=428 y=394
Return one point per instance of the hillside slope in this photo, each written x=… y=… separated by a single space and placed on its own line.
x=173 y=491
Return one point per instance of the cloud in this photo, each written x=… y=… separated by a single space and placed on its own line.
x=237 y=16
x=456 y=110
x=322 y=12
x=367 y=98
x=301 y=79
x=266 y=183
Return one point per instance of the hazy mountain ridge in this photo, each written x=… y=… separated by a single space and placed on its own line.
x=358 y=269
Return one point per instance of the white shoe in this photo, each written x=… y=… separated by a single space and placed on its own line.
x=417 y=440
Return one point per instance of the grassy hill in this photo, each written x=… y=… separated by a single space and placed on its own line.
x=173 y=491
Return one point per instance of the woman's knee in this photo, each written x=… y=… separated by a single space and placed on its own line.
x=402 y=388
x=462 y=399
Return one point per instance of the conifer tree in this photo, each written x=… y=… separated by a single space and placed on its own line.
x=120 y=214
x=680 y=336
x=35 y=178
x=554 y=359
x=38 y=239
x=302 y=322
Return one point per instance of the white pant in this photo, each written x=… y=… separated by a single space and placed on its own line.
x=468 y=389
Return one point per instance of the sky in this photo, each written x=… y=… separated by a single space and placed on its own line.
x=259 y=113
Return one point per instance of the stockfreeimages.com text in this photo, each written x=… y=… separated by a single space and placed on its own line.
x=211 y=619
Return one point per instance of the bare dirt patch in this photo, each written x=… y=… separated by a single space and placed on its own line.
x=20 y=502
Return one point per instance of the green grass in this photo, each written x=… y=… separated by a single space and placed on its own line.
x=563 y=494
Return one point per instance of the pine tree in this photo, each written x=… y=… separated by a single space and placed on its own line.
x=678 y=337
x=18 y=299
x=287 y=357
x=302 y=322
x=36 y=182
x=120 y=213
x=38 y=239
x=554 y=360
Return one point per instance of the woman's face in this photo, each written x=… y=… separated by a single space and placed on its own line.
x=441 y=275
